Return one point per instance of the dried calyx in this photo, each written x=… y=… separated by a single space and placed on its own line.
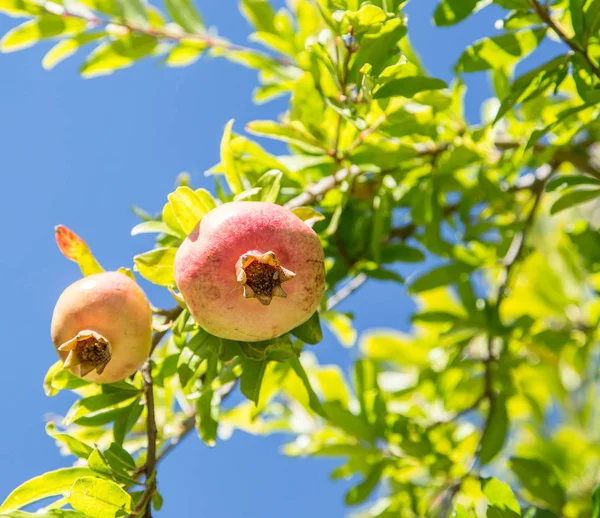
x=261 y=276
x=88 y=350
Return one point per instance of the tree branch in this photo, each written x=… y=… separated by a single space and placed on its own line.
x=575 y=46
x=346 y=291
x=162 y=33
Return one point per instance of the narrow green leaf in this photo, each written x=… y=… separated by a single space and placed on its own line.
x=440 y=276
x=500 y=495
x=270 y=184
x=232 y=174
x=562 y=182
x=362 y=491
x=309 y=215
x=450 y=12
x=315 y=405
x=496 y=430
x=401 y=253
x=66 y=48
x=293 y=133
x=50 y=484
x=560 y=118
x=185 y=15
x=500 y=51
x=32 y=31
x=126 y=420
x=134 y=11
x=153 y=227
x=207 y=405
x=75 y=446
x=310 y=332
x=92 y=404
x=252 y=377
x=409 y=86
x=578 y=19
x=157 y=265
x=540 y=480
x=99 y=498
x=185 y=53
x=573 y=198
x=189 y=208
x=121 y=53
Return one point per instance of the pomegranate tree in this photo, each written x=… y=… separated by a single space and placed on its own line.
x=251 y=271
x=102 y=327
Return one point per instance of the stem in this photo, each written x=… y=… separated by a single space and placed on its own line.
x=364 y=134
x=346 y=291
x=544 y=15
x=162 y=33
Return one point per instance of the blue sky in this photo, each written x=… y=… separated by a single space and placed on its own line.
x=81 y=153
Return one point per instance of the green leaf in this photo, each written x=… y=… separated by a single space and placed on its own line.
x=560 y=183
x=52 y=513
x=596 y=502
x=93 y=404
x=450 y=12
x=496 y=430
x=270 y=184
x=152 y=227
x=32 y=31
x=500 y=495
x=440 y=276
x=185 y=15
x=314 y=402
x=65 y=48
x=353 y=425
x=157 y=265
x=572 y=198
x=309 y=215
x=362 y=491
x=408 y=86
x=533 y=83
x=293 y=133
x=185 y=53
x=99 y=498
x=540 y=480
x=341 y=326
x=578 y=19
x=310 y=332
x=207 y=405
x=50 y=484
x=232 y=174
x=134 y=11
x=75 y=446
x=252 y=377
x=21 y=8
x=193 y=353
x=500 y=51
x=120 y=53
x=260 y=14
x=126 y=420
x=560 y=118
x=401 y=253
x=189 y=208
x=57 y=378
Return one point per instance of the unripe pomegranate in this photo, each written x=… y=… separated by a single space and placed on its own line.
x=251 y=271
x=102 y=327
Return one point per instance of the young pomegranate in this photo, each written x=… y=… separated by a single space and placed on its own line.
x=251 y=271
x=102 y=327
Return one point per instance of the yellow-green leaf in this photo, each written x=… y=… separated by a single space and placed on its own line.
x=99 y=498
x=46 y=485
x=189 y=207
x=32 y=31
x=232 y=175
x=157 y=265
x=75 y=249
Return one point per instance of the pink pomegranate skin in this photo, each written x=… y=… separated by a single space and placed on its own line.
x=207 y=271
x=113 y=306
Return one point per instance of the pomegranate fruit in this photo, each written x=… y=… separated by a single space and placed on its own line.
x=102 y=327
x=251 y=271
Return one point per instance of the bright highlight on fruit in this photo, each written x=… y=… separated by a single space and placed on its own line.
x=102 y=327
x=251 y=271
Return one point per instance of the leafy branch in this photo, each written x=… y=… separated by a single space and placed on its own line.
x=544 y=14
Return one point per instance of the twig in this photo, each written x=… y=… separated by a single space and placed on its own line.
x=346 y=291
x=315 y=191
x=162 y=33
x=544 y=15
x=364 y=134
x=460 y=414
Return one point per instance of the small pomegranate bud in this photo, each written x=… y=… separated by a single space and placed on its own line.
x=251 y=250
x=102 y=327
x=261 y=276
